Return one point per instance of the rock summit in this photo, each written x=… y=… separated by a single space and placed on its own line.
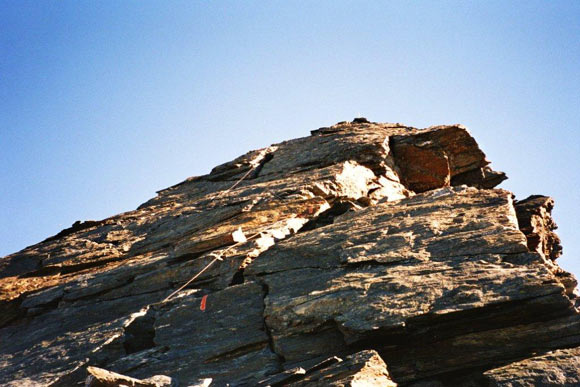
x=366 y=254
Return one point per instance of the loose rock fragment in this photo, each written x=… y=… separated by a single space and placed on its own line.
x=99 y=377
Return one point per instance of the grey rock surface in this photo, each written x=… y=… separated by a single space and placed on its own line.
x=556 y=368
x=364 y=254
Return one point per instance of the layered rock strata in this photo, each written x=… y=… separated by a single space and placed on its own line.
x=364 y=254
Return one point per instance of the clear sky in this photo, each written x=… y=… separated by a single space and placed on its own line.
x=104 y=102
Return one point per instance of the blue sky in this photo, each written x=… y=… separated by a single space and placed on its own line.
x=104 y=102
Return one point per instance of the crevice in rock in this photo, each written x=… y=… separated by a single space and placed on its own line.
x=239 y=351
x=140 y=333
x=267 y=157
x=94 y=299
x=399 y=262
x=43 y=308
x=238 y=277
x=271 y=345
x=350 y=265
x=367 y=264
x=11 y=312
x=327 y=217
x=482 y=178
x=259 y=275
x=307 y=166
x=68 y=269
x=178 y=259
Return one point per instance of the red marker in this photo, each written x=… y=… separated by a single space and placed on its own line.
x=203 y=301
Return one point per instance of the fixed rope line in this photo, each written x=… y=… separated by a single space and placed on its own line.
x=219 y=256
x=240 y=180
x=254 y=166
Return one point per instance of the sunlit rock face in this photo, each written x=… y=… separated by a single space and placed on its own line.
x=364 y=254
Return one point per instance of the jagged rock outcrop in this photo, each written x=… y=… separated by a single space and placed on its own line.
x=364 y=254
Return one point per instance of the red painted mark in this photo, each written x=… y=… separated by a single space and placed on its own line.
x=203 y=301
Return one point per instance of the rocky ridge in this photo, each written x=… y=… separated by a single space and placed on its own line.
x=364 y=254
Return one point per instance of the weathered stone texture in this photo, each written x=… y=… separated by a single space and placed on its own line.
x=557 y=368
x=365 y=254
